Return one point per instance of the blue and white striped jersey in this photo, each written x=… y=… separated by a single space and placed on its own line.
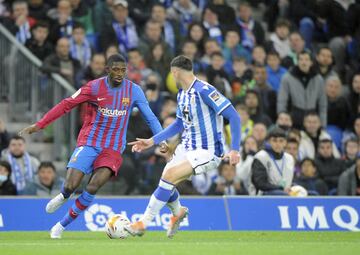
x=199 y=108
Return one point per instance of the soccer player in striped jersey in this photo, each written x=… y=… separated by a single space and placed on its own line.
x=200 y=113
x=102 y=138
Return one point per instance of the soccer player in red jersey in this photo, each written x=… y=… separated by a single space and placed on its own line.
x=102 y=137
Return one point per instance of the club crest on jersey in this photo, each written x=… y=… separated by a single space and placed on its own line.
x=125 y=101
x=217 y=98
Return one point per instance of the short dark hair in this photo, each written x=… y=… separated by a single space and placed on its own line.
x=293 y=140
x=47 y=164
x=97 y=54
x=306 y=52
x=323 y=48
x=115 y=58
x=311 y=113
x=273 y=53
x=6 y=165
x=42 y=24
x=216 y=54
x=276 y=132
x=182 y=62
x=78 y=25
x=308 y=159
x=17 y=137
x=283 y=23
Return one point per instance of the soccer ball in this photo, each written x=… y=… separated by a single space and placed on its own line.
x=115 y=226
x=298 y=191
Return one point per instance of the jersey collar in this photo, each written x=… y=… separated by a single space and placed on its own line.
x=192 y=84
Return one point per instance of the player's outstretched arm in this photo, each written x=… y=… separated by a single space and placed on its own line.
x=235 y=127
x=141 y=144
x=29 y=130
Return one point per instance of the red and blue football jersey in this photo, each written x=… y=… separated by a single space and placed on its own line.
x=107 y=113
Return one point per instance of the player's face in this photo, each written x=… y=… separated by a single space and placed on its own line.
x=117 y=72
x=175 y=73
x=277 y=144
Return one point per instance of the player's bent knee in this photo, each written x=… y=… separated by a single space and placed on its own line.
x=168 y=176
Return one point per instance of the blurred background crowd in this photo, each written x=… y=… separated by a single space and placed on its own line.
x=283 y=63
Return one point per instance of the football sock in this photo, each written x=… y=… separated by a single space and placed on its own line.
x=80 y=204
x=174 y=202
x=157 y=201
x=64 y=192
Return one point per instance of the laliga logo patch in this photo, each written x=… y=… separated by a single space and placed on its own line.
x=96 y=217
x=217 y=98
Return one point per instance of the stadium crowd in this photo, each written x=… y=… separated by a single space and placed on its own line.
x=296 y=68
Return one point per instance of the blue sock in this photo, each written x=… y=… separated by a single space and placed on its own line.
x=174 y=202
x=174 y=195
x=80 y=204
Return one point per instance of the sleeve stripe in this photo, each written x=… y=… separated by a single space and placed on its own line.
x=222 y=109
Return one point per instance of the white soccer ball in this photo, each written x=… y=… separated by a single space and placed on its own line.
x=115 y=226
x=298 y=191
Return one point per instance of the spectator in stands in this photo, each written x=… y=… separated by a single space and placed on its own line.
x=260 y=133
x=80 y=48
x=140 y=11
x=38 y=9
x=247 y=124
x=82 y=13
x=274 y=70
x=242 y=78
x=273 y=169
x=266 y=93
x=312 y=134
x=153 y=93
x=20 y=23
x=338 y=110
x=190 y=50
x=159 y=58
x=152 y=37
x=216 y=69
x=225 y=13
x=46 y=183
x=232 y=48
x=122 y=30
x=292 y=147
x=169 y=29
x=258 y=55
x=211 y=46
x=302 y=90
x=295 y=134
x=137 y=70
x=349 y=181
x=184 y=12
x=4 y=136
x=111 y=50
x=227 y=183
x=252 y=102
x=102 y=13
x=351 y=149
x=309 y=178
x=169 y=107
x=38 y=43
x=61 y=62
x=7 y=188
x=95 y=70
x=353 y=26
x=23 y=165
x=329 y=167
x=251 y=31
x=354 y=98
x=212 y=25
x=324 y=63
x=63 y=22
x=279 y=41
x=284 y=121
x=197 y=33
x=243 y=169
x=297 y=45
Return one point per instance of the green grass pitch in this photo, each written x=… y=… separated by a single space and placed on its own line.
x=185 y=242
